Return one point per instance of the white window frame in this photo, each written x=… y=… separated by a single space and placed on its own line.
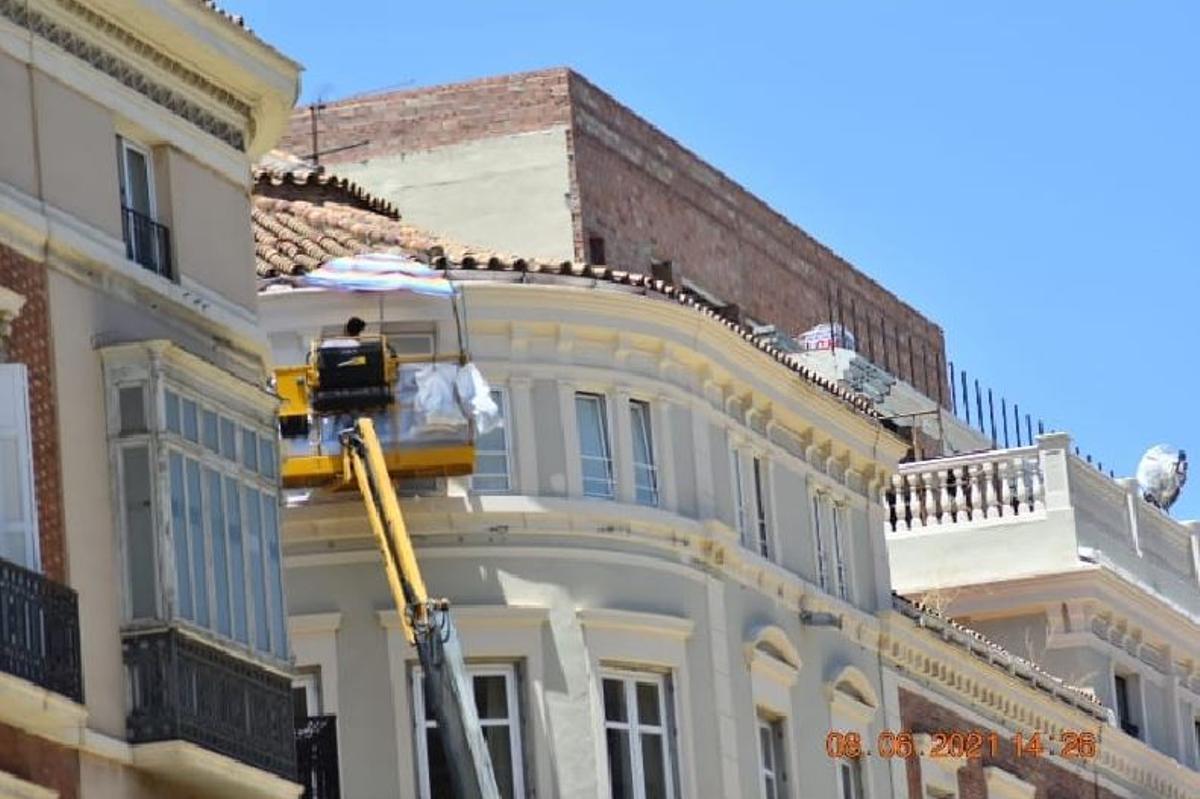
x=775 y=772
x=422 y=725
x=739 y=498
x=841 y=570
x=505 y=415
x=310 y=681
x=161 y=442
x=16 y=375
x=629 y=680
x=855 y=767
x=762 y=521
x=146 y=153
x=605 y=438
x=818 y=504
x=646 y=411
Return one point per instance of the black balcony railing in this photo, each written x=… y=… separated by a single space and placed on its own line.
x=317 y=757
x=39 y=631
x=183 y=689
x=146 y=241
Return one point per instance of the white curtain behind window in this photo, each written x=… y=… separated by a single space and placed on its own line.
x=18 y=517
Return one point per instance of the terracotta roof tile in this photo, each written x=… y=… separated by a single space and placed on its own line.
x=302 y=219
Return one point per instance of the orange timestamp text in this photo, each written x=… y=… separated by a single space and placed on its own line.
x=967 y=743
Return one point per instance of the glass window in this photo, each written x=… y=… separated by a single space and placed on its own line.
x=819 y=543
x=179 y=538
x=266 y=456
x=645 y=478
x=258 y=587
x=139 y=524
x=172 y=405
x=237 y=569
x=221 y=534
x=195 y=514
x=131 y=403
x=216 y=506
x=250 y=450
x=496 y=704
x=210 y=430
x=739 y=498
x=491 y=455
x=760 y=508
x=228 y=439
x=275 y=576
x=839 y=554
x=850 y=779
x=191 y=424
x=635 y=734
x=594 y=449
x=771 y=753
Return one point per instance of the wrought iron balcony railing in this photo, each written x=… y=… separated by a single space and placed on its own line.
x=39 y=631
x=183 y=689
x=146 y=241
x=317 y=757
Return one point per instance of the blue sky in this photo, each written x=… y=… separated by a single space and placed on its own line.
x=1026 y=174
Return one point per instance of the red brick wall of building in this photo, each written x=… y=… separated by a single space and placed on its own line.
x=30 y=344
x=38 y=761
x=650 y=199
x=919 y=714
x=422 y=119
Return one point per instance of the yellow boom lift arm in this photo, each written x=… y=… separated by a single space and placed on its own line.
x=427 y=625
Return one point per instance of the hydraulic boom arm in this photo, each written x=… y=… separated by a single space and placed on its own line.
x=449 y=692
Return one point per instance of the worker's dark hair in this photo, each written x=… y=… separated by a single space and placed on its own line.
x=354 y=326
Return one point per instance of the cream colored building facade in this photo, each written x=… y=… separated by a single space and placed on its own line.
x=126 y=138
x=1068 y=567
x=732 y=575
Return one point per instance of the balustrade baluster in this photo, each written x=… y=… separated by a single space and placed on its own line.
x=930 y=517
x=962 y=512
x=916 y=514
x=1006 y=493
x=987 y=490
x=1037 y=487
x=975 y=507
x=944 y=504
x=901 y=503
x=1021 y=480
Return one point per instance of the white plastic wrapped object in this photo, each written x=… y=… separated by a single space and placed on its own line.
x=436 y=405
x=476 y=397
x=826 y=336
x=1161 y=474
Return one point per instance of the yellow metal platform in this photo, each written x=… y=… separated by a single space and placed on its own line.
x=450 y=460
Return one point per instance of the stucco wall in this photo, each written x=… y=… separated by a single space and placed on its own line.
x=507 y=193
x=210 y=223
x=77 y=155
x=17 y=164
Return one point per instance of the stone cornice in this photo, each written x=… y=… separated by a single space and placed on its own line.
x=114 y=51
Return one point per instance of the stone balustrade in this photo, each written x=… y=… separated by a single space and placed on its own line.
x=996 y=484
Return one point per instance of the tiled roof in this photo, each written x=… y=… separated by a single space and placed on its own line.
x=301 y=220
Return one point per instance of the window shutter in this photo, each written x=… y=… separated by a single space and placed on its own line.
x=18 y=518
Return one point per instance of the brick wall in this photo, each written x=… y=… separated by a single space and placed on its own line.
x=407 y=121
x=30 y=344
x=919 y=714
x=650 y=199
x=38 y=761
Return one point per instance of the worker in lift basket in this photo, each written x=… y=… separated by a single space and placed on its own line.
x=333 y=426
x=350 y=333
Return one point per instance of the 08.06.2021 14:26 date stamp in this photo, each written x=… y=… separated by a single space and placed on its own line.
x=1077 y=744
